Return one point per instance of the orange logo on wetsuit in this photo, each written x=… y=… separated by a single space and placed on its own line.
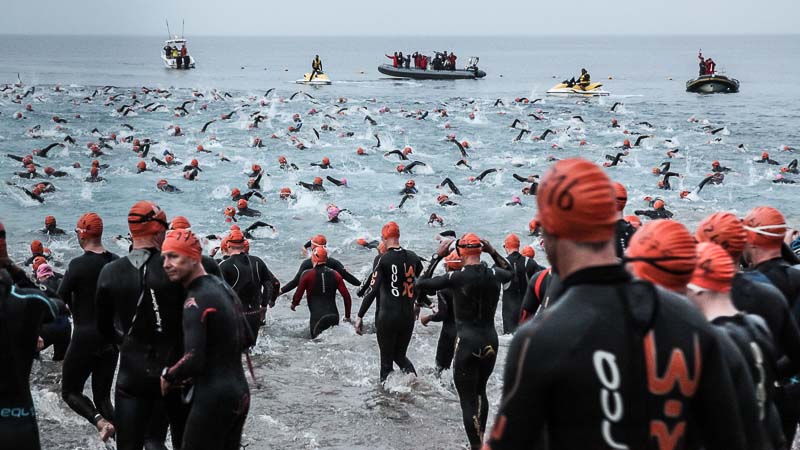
x=677 y=373
x=408 y=284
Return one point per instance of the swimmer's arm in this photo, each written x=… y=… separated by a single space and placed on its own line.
x=294 y=281
x=66 y=288
x=372 y=291
x=345 y=294
x=194 y=342
x=267 y=286
x=308 y=277
x=105 y=307
x=347 y=276
x=435 y=284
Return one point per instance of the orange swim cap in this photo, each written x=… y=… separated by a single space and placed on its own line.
x=285 y=192
x=94 y=171
x=528 y=251
x=141 y=165
x=183 y=242
x=511 y=242
x=95 y=163
x=621 y=195
x=576 y=201
x=146 y=219
x=256 y=168
x=360 y=151
x=469 y=245
x=236 y=237
x=390 y=230
x=658 y=204
x=235 y=192
x=194 y=163
x=90 y=225
x=318 y=181
x=36 y=246
x=169 y=158
x=319 y=255
x=765 y=155
x=656 y=171
x=441 y=197
x=180 y=223
x=407 y=150
x=765 y=227
x=229 y=211
x=634 y=220
x=49 y=170
x=38 y=261
x=242 y=204
x=725 y=230
x=326 y=161
x=453 y=261
x=200 y=148
x=715 y=268
x=411 y=183
x=715 y=163
x=663 y=252
x=533 y=225
x=401 y=167
x=626 y=143
x=319 y=241
x=50 y=221
x=281 y=160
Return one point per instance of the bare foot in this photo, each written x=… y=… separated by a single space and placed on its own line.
x=106 y=429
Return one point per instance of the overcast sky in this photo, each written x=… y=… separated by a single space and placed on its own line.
x=403 y=17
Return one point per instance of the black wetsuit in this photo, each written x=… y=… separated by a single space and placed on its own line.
x=140 y=310
x=321 y=283
x=617 y=362
x=542 y=293
x=246 y=196
x=21 y=313
x=392 y=282
x=514 y=293
x=215 y=336
x=446 y=346
x=753 y=340
x=654 y=213
x=311 y=187
x=58 y=332
x=476 y=290
x=252 y=281
x=88 y=353
x=787 y=279
x=622 y=236
x=332 y=263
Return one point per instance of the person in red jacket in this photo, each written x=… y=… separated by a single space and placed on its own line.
x=393 y=58
x=452 y=59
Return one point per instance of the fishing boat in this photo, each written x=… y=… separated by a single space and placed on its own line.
x=320 y=79
x=171 y=53
x=471 y=72
x=713 y=84
x=564 y=89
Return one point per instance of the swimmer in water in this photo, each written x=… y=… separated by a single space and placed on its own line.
x=449 y=183
x=444 y=200
x=51 y=172
x=659 y=211
x=245 y=210
x=93 y=176
x=717 y=168
x=765 y=159
x=285 y=165
x=324 y=164
x=613 y=160
x=409 y=169
x=402 y=154
x=713 y=178
x=164 y=186
x=340 y=183
x=482 y=175
x=51 y=228
x=791 y=168
x=237 y=195
x=315 y=186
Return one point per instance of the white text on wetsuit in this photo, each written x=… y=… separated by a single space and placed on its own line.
x=605 y=366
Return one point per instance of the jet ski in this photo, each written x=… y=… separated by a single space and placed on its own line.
x=563 y=88
x=319 y=79
x=713 y=84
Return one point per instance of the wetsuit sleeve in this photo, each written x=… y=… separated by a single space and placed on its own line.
x=442 y=309
x=345 y=294
x=267 y=280
x=372 y=290
x=435 y=283
x=66 y=287
x=305 y=283
x=294 y=281
x=347 y=276
x=211 y=267
x=789 y=341
x=502 y=275
x=106 y=308
x=518 y=424
x=193 y=360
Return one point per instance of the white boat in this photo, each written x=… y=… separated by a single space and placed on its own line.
x=592 y=90
x=181 y=62
x=319 y=79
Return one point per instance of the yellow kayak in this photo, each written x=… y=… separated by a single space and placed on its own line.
x=319 y=78
x=591 y=90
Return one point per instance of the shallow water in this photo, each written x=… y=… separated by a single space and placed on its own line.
x=324 y=393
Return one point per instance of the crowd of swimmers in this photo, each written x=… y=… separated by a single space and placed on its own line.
x=441 y=61
x=635 y=336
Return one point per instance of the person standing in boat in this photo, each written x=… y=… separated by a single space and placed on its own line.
x=711 y=66
x=394 y=59
x=168 y=51
x=452 y=60
x=703 y=68
x=316 y=67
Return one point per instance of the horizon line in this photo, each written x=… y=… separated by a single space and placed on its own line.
x=489 y=35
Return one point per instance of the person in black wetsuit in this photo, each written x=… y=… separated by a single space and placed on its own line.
x=88 y=353
x=514 y=291
x=409 y=168
x=665 y=253
x=392 y=283
x=315 y=186
x=598 y=370
x=245 y=210
x=624 y=230
x=252 y=281
x=320 y=284
x=410 y=188
x=446 y=346
x=58 y=332
x=765 y=159
x=766 y=228
x=476 y=290
x=51 y=227
x=21 y=313
x=139 y=309
x=237 y=195
x=659 y=211
x=717 y=168
x=331 y=263
x=215 y=335
x=710 y=290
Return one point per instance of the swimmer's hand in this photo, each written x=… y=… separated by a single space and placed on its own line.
x=425 y=319
x=444 y=248
x=359 y=326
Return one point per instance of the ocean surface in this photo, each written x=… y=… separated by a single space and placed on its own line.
x=324 y=393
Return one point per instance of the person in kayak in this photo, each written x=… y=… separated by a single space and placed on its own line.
x=316 y=67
